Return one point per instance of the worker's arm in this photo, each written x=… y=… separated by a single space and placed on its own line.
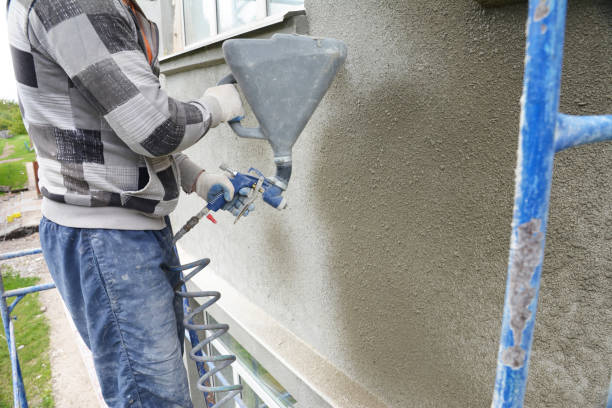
x=189 y=172
x=95 y=43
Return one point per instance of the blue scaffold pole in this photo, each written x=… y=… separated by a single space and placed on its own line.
x=539 y=108
x=543 y=132
x=19 y=254
x=19 y=396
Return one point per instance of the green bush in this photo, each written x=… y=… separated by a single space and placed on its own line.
x=13 y=174
x=10 y=117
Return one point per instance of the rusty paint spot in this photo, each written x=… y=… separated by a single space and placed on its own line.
x=542 y=10
x=527 y=256
x=543 y=28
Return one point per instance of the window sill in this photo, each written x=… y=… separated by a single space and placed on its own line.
x=266 y=22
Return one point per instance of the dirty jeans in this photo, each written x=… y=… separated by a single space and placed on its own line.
x=124 y=308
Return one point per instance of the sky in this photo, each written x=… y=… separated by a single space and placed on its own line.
x=8 y=89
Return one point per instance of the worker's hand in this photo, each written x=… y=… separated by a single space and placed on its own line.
x=224 y=104
x=236 y=205
x=210 y=185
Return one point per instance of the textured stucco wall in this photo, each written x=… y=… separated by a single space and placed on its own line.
x=391 y=259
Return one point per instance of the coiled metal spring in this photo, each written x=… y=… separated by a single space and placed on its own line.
x=214 y=364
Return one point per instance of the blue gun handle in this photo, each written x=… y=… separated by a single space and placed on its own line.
x=216 y=203
x=272 y=194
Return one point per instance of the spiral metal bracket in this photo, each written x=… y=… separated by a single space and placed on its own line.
x=214 y=364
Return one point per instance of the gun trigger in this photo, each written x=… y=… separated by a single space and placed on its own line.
x=252 y=196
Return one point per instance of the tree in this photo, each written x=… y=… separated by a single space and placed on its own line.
x=10 y=118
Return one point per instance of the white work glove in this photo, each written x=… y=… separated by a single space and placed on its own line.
x=224 y=103
x=237 y=204
x=210 y=185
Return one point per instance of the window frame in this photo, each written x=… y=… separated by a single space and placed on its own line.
x=240 y=372
x=266 y=21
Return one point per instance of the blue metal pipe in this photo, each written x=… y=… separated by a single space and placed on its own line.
x=13 y=357
x=8 y=331
x=609 y=404
x=15 y=302
x=18 y=386
x=19 y=254
x=540 y=103
x=30 y=289
x=577 y=130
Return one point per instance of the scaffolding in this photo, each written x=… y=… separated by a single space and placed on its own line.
x=543 y=132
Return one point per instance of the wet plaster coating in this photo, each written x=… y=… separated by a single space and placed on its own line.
x=391 y=259
x=527 y=256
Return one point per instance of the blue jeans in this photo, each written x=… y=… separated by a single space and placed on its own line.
x=125 y=309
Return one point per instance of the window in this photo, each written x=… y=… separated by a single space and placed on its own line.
x=260 y=389
x=206 y=19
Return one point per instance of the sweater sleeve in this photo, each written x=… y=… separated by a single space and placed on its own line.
x=96 y=44
x=189 y=172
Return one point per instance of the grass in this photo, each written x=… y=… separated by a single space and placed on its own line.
x=31 y=331
x=14 y=174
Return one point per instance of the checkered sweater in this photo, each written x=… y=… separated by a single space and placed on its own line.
x=107 y=137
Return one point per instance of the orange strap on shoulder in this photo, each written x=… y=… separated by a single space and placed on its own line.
x=135 y=10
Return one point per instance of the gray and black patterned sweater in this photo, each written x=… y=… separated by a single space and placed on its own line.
x=107 y=137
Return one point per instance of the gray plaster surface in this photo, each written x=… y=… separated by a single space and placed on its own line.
x=391 y=259
x=499 y=3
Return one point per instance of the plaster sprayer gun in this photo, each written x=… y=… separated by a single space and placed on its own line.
x=283 y=80
x=257 y=184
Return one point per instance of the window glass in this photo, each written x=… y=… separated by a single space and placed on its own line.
x=283 y=6
x=264 y=378
x=227 y=372
x=250 y=399
x=236 y=13
x=200 y=20
x=204 y=19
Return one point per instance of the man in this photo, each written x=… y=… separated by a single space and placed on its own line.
x=108 y=141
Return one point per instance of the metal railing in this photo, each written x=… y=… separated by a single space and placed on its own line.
x=19 y=394
x=543 y=132
x=19 y=391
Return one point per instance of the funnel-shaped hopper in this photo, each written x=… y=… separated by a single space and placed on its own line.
x=283 y=80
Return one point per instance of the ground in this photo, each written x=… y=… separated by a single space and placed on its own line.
x=69 y=376
x=15 y=153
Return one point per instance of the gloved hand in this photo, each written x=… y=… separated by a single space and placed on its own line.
x=224 y=103
x=236 y=205
x=210 y=185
